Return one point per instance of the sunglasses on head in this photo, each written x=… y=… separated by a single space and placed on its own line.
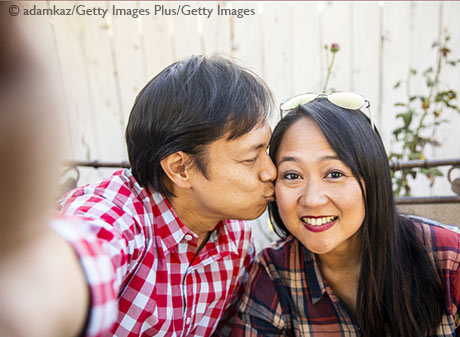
x=343 y=99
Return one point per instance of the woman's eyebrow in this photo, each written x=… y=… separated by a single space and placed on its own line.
x=333 y=157
x=287 y=158
x=294 y=159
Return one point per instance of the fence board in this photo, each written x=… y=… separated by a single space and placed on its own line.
x=187 y=41
x=247 y=38
x=102 y=75
x=337 y=29
x=277 y=42
x=216 y=30
x=450 y=77
x=128 y=59
x=396 y=31
x=365 y=56
x=305 y=45
x=158 y=42
x=78 y=88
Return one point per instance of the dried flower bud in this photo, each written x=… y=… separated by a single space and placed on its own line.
x=335 y=47
x=426 y=104
x=444 y=51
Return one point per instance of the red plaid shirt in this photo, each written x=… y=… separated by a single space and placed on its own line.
x=287 y=295
x=139 y=259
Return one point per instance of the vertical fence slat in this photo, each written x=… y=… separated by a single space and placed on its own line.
x=129 y=63
x=96 y=42
x=336 y=30
x=277 y=50
x=158 y=41
x=247 y=37
x=216 y=30
x=396 y=29
x=306 y=62
x=365 y=50
x=187 y=41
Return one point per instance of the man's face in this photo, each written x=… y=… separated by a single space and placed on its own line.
x=240 y=177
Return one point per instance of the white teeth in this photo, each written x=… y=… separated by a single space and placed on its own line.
x=318 y=221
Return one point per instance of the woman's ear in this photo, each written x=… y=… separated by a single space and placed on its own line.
x=176 y=166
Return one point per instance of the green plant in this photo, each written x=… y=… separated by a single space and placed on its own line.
x=421 y=115
x=330 y=62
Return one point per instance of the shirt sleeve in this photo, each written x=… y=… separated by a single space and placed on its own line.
x=259 y=312
x=104 y=238
x=99 y=272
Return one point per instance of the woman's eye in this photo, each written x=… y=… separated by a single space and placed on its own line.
x=291 y=176
x=335 y=174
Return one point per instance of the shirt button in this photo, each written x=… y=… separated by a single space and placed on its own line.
x=187 y=321
x=188 y=237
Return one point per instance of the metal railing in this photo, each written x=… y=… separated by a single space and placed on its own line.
x=394 y=165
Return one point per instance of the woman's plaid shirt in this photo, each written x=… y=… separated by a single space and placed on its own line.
x=286 y=294
x=139 y=259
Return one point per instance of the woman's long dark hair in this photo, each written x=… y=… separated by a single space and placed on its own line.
x=400 y=291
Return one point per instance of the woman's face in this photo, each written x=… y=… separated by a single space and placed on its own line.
x=319 y=199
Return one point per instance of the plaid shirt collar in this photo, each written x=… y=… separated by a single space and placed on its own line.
x=171 y=231
x=315 y=280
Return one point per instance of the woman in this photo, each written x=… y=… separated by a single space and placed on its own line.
x=349 y=264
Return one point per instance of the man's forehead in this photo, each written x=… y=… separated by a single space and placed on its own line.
x=254 y=140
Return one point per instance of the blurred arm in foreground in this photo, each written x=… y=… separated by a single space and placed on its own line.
x=43 y=291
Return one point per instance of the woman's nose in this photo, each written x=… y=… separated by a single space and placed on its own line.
x=313 y=194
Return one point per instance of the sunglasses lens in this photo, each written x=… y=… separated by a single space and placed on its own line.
x=347 y=100
x=294 y=102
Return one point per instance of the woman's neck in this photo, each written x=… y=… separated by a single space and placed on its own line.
x=342 y=268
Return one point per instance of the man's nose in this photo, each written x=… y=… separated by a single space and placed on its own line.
x=268 y=171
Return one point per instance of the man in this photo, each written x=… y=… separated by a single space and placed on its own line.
x=159 y=252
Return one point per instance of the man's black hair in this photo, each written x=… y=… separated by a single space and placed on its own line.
x=187 y=106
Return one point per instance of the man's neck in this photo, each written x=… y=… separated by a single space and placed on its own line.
x=193 y=219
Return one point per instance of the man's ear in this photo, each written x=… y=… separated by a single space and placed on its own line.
x=177 y=167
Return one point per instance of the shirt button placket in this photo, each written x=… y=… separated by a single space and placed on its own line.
x=188 y=302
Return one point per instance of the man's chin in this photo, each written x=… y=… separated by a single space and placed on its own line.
x=253 y=213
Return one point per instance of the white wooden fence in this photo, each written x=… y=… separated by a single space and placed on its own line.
x=105 y=61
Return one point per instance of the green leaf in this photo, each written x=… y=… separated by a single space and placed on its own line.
x=434 y=171
x=429 y=70
x=407 y=118
x=397 y=131
x=397 y=84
